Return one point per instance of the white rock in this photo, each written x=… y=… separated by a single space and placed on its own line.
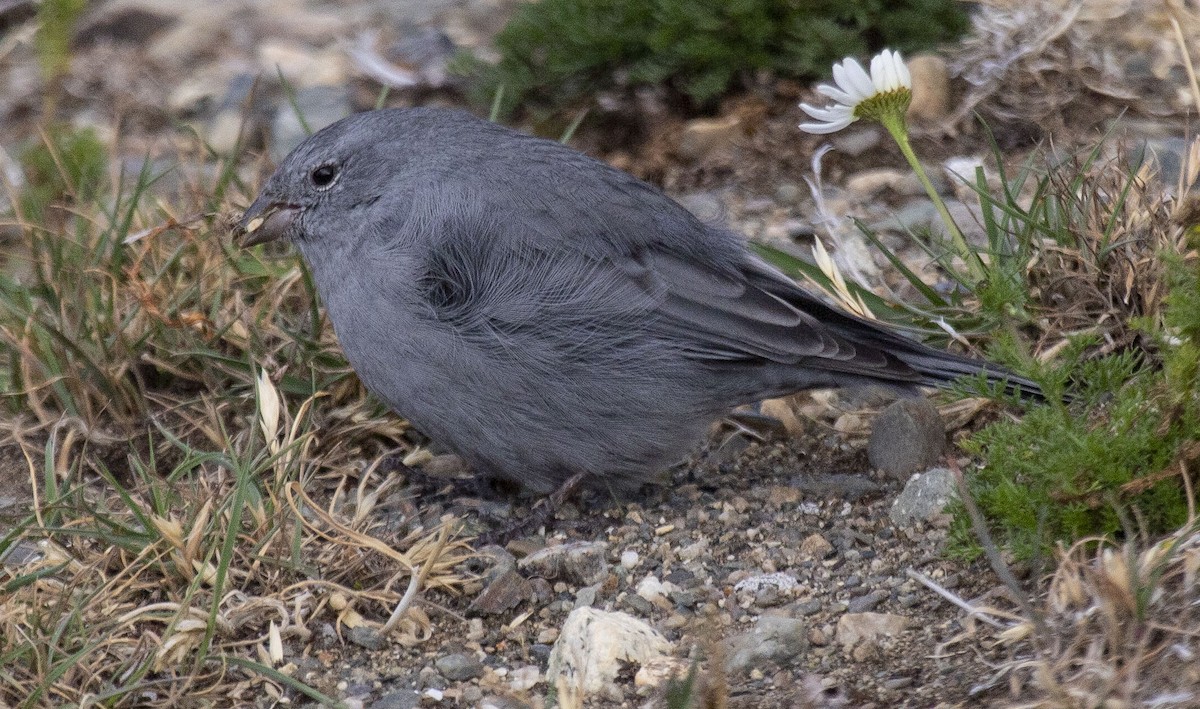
x=522 y=679
x=657 y=672
x=781 y=581
x=655 y=591
x=629 y=559
x=591 y=649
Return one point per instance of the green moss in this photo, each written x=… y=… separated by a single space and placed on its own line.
x=556 y=53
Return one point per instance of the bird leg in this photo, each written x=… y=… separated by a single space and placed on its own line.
x=540 y=515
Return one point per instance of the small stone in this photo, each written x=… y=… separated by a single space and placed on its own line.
x=523 y=679
x=868 y=629
x=815 y=546
x=586 y=596
x=774 y=639
x=705 y=206
x=366 y=637
x=505 y=593
x=655 y=591
x=656 y=672
x=908 y=436
x=593 y=648
x=780 y=582
x=581 y=563
x=704 y=138
x=924 y=497
x=930 y=88
x=869 y=183
x=629 y=559
x=784 y=412
x=865 y=603
x=459 y=666
x=400 y=699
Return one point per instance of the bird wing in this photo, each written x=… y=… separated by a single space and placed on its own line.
x=755 y=312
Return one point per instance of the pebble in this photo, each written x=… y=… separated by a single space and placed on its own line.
x=924 y=496
x=580 y=563
x=865 y=603
x=524 y=678
x=399 y=699
x=459 y=666
x=908 y=436
x=503 y=594
x=366 y=637
x=774 y=639
x=867 y=629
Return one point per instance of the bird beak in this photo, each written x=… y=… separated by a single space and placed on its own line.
x=266 y=221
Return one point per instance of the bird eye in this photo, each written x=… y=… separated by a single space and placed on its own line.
x=324 y=176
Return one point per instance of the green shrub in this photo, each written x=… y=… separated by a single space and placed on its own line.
x=556 y=53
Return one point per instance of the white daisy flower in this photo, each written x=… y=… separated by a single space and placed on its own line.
x=883 y=95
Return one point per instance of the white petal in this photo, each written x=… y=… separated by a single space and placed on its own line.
x=829 y=113
x=883 y=72
x=855 y=79
x=902 y=70
x=824 y=128
x=836 y=94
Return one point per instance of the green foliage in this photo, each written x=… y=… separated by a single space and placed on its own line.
x=56 y=22
x=1057 y=475
x=70 y=164
x=1076 y=246
x=555 y=53
x=1111 y=463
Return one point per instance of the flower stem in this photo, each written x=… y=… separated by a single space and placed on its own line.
x=899 y=130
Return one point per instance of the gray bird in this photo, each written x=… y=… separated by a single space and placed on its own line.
x=545 y=315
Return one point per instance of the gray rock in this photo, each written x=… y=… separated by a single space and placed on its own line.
x=582 y=563
x=865 y=603
x=505 y=593
x=774 y=639
x=400 y=699
x=459 y=667
x=705 y=206
x=366 y=637
x=924 y=496
x=231 y=119
x=319 y=105
x=908 y=436
x=586 y=596
x=499 y=561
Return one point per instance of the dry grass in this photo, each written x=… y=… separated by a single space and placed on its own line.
x=195 y=510
x=1121 y=625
